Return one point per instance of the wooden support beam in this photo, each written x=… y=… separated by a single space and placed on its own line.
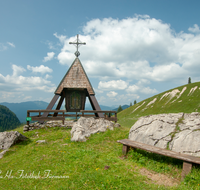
x=59 y=105
x=187 y=166
x=50 y=106
x=125 y=149
x=95 y=105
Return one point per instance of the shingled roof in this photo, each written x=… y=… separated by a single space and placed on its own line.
x=75 y=77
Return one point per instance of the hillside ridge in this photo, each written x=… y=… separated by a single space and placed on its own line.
x=180 y=99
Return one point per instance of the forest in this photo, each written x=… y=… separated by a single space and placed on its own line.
x=8 y=120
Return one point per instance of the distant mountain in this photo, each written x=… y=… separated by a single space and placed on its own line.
x=20 y=109
x=8 y=120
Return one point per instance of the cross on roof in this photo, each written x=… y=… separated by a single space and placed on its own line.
x=77 y=43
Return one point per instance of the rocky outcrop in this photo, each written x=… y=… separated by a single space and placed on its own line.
x=7 y=139
x=178 y=132
x=84 y=127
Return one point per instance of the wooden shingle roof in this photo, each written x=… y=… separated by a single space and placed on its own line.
x=75 y=77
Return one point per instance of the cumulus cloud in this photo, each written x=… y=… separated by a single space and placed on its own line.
x=112 y=94
x=148 y=90
x=16 y=82
x=50 y=56
x=132 y=89
x=41 y=69
x=113 y=85
x=194 y=29
x=140 y=87
x=134 y=48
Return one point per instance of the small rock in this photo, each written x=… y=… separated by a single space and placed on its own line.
x=7 y=139
x=41 y=141
x=117 y=125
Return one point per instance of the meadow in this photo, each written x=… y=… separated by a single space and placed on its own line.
x=99 y=163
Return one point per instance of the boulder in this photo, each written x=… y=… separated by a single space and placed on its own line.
x=84 y=127
x=178 y=132
x=7 y=139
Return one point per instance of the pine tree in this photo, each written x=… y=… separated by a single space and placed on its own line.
x=131 y=104
x=189 y=80
x=135 y=102
x=119 y=109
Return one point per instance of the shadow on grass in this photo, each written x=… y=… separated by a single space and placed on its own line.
x=156 y=162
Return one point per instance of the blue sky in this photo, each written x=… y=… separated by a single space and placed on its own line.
x=134 y=48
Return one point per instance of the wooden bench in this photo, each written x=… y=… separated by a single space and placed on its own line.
x=188 y=160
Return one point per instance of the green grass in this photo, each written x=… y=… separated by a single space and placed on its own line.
x=188 y=104
x=84 y=162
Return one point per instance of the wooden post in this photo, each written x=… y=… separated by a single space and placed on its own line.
x=125 y=149
x=187 y=166
x=63 y=117
x=28 y=115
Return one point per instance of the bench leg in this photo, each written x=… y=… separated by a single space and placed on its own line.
x=187 y=166
x=125 y=149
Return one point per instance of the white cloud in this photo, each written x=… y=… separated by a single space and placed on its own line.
x=140 y=88
x=112 y=94
x=135 y=48
x=50 y=56
x=19 y=83
x=132 y=89
x=148 y=90
x=11 y=44
x=41 y=69
x=195 y=29
x=113 y=85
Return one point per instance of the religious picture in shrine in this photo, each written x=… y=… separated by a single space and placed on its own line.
x=75 y=100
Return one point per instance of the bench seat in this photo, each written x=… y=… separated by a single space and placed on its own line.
x=188 y=160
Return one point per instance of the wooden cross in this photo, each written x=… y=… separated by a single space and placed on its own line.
x=77 y=43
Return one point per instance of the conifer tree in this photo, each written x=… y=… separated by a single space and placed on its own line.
x=119 y=109
x=189 y=80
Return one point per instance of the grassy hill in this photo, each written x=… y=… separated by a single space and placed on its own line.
x=185 y=99
x=98 y=163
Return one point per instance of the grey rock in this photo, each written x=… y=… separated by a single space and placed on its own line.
x=157 y=130
x=117 y=125
x=84 y=127
x=7 y=139
x=41 y=141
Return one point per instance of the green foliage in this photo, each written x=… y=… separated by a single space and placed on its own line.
x=131 y=104
x=119 y=109
x=8 y=119
x=189 y=80
x=135 y=102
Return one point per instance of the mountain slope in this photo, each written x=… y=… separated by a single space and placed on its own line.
x=8 y=119
x=185 y=99
x=20 y=109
